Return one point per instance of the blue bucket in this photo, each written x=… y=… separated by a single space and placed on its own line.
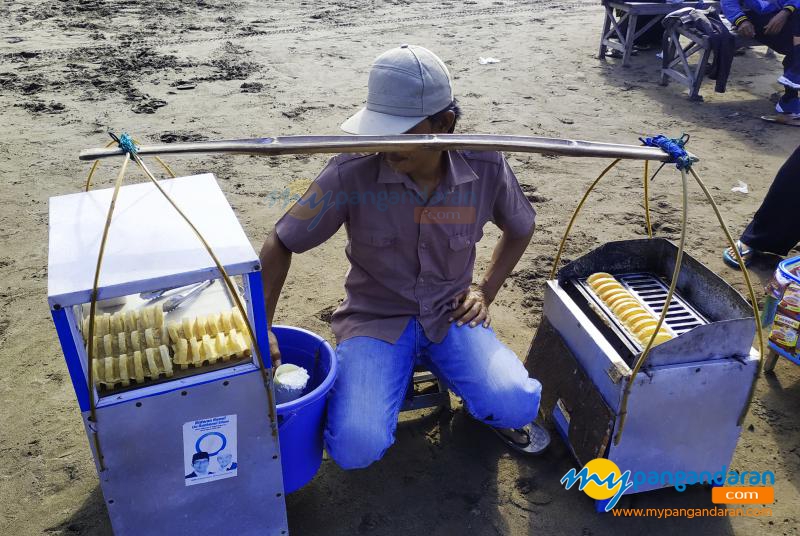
x=300 y=422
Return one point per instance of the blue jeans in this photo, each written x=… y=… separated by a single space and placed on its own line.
x=373 y=376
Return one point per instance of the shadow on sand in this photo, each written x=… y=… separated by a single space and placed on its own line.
x=752 y=81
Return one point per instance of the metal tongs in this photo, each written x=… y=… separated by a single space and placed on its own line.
x=155 y=294
x=176 y=301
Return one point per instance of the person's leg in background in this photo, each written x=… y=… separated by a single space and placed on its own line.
x=365 y=400
x=791 y=63
x=786 y=42
x=773 y=228
x=487 y=375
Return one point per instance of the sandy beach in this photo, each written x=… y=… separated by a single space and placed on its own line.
x=176 y=70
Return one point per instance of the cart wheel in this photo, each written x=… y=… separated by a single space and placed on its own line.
x=770 y=361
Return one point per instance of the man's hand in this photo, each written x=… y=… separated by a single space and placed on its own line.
x=274 y=351
x=776 y=23
x=746 y=29
x=472 y=307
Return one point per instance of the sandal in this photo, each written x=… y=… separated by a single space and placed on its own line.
x=536 y=439
x=745 y=251
x=618 y=55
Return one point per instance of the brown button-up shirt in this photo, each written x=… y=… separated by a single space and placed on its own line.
x=410 y=253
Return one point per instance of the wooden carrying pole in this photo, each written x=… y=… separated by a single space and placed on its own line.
x=404 y=142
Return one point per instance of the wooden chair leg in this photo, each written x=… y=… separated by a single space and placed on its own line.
x=606 y=26
x=667 y=55
x=629 y=39
x=697 y=77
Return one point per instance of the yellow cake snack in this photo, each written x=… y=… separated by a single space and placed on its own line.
x=124 y=375
x=136 y=341
x=152 y=368
x=614 y=299
x=174 y=331
x=641 y=324
x=139 y=345
x=130 y=320
x=606 y=286
x=187 y=324
x=226 y=321
x=200 y=327
x=117 y=323
x=238 y=321
x=602 y=280
x=633 y=319
x=626 y=304
x=166 y=362
x=138 y=368
x=221 y=343
x=608 y=294
x=598 y=275
x=625 y=315
x=661 y=338
x=631 y=313
x=194 y=352
x=645 y=333
x=208 y=349
x=213 y=324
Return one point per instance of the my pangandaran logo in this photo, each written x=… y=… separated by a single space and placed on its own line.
x=600 y=479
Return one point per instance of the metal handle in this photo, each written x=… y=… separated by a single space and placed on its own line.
x=155 y=294
x=404 y=142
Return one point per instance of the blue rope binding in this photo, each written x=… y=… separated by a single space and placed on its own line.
x=125 y=143
x=674 y=147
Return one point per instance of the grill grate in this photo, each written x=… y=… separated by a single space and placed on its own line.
x=652 y=293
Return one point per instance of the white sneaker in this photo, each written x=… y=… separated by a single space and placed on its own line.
x=791 y=114
x=786 y=82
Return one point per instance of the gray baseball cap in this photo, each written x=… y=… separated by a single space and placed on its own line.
x=406 y=85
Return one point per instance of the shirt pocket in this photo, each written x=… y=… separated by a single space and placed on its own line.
x=375 y=239
x=459 y=254
x=373 y=249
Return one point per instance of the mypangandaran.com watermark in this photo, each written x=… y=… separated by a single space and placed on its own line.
x=314 y=203
x=602 y=479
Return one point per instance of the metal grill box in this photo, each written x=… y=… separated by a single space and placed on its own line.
x=684 y=404
x=148 y=432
